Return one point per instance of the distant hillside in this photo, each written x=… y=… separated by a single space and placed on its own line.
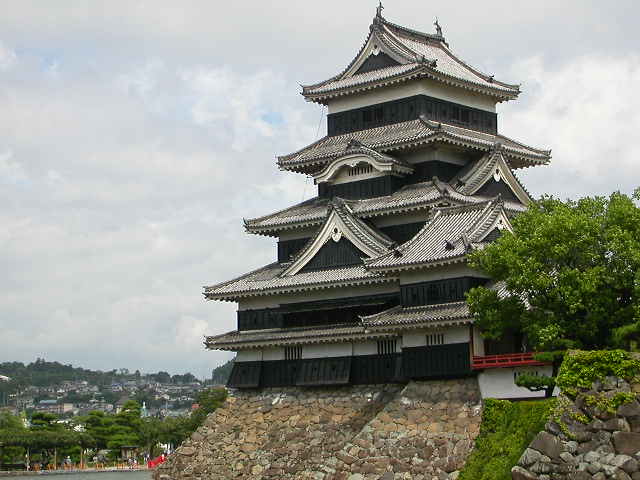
x=42 y=373
x=220 y=375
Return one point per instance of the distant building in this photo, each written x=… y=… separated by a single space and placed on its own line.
x=52 y=406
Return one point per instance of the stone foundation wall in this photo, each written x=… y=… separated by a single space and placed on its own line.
x=423 y=430
x=585 y=441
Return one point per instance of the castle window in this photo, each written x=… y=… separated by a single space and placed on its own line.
x=292 y=353
x=360 y=170
x=435 y=339
x=386 y=347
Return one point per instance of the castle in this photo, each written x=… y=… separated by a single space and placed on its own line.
x=370 y=278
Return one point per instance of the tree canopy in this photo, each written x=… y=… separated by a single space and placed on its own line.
x=572 y=273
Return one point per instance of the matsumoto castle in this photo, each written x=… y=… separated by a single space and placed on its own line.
x=369 y=282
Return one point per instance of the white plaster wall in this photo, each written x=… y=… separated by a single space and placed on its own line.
x=327 y=350
x=388 y=220
x=365 y=348
x=439 y=273
x=298 y=233
x=273 y=354
x=347 y=292
x=428 y=87
x=249 y=356
x=343 y=177
x=456 y=156
x=499 y=382
x=451 y=335
x=478 y=342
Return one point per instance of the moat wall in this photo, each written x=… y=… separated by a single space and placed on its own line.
x=422 y=430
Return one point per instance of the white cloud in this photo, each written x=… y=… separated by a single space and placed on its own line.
x=8 y=57
x=134 y=140
x=587 y=112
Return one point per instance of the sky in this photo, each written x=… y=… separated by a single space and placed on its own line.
x=136 y=135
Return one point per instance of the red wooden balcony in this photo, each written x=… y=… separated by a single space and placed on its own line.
x=506 y=360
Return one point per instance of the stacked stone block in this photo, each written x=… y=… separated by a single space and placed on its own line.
x=586 y=441
x=423 y=430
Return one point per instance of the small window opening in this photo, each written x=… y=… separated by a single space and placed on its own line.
x=292 y=353
x=435 y=339
x=386 y=347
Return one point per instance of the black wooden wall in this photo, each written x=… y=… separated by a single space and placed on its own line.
x=440 y=361
x=410 y=109
x=332 y=254
x=288 y=248
x=438 y=291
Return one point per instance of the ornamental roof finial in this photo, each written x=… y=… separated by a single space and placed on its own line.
x=438 y=27
x=379 y=9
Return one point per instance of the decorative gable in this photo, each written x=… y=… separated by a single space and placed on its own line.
x=334 y=254
x=491 y=176
x=376 y=61
x=352 y=239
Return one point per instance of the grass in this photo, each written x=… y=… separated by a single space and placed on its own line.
x=507 y=429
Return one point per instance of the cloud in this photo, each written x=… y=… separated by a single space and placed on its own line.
x=8 y=57
x=587 y=112
x=133 y=141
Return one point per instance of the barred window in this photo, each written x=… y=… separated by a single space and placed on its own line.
x=387 y=346
x=435 y=339
x=292 y=353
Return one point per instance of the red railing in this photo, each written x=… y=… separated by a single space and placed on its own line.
x=506 y=360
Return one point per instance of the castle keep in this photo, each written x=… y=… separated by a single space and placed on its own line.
x=369 y=282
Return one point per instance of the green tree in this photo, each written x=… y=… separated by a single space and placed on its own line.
x=572 y=270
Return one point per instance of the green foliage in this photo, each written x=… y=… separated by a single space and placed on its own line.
x=580 y=369
x=220 y=375
x=507 y=429
x=575 y=264
x=607 y=403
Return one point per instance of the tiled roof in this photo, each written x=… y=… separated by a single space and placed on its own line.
x=444 y=314
x=290 y=336
x=341 y=221
x=406 y=135
x=418 y=55
x=268 y=280
x=471 y=178
x=446 y=237
x=411 y=197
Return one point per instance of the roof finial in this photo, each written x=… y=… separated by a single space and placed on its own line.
x=438 y=27
x=379 y=9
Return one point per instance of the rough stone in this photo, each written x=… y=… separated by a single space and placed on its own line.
x=519 y=473
x=340 y=433
x=547 y=444
x=627 y=443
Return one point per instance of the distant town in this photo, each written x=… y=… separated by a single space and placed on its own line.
x=68 y=391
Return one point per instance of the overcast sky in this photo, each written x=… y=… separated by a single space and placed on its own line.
x=136 y=135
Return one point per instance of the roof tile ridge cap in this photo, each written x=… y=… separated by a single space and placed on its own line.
x=363 y=318
x=486 y=77
x=395 y=43
x=481 y=170
x=411 y=31
x=429 y=123
x=330 y=209
x=209 y=288
x=488 y=211
x=340 y=75
x=353 y=221
x=535 y=149
x=249 y=221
